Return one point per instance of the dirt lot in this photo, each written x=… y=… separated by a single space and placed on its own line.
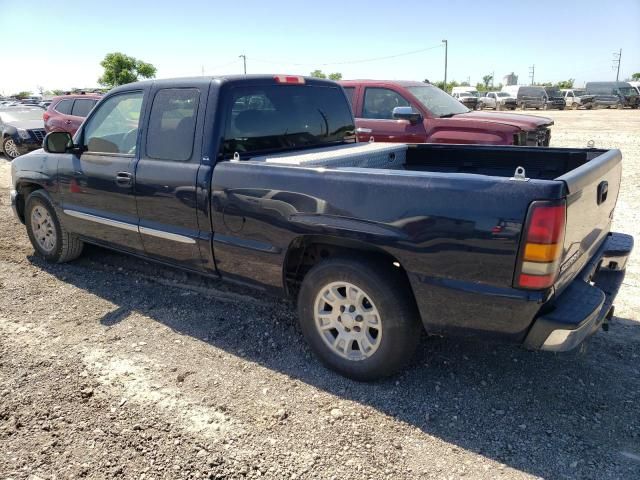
x=113 y=367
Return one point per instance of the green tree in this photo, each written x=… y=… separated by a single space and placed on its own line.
x=486 y=80
x=448 y=87
x=335 y=76
x=635 y=76
x=566 y=83
x=120 y=69
x=318 y=74
x=57 y=92
x=21 y=95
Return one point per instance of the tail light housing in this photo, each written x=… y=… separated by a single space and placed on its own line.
x=290 y=79
x=45 y=116
x=542 y=245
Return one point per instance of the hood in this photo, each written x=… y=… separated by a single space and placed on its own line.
x=27 y=124
x=524 y=122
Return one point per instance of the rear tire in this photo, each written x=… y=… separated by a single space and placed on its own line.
x=10 y=148
x=574 y=106
x=358 y=317
x=49 y=238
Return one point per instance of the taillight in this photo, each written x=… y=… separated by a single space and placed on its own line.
x=45 y=116
x=542 y=244
x=296 y=80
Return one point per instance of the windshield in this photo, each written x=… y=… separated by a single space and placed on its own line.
x=437 y=102
x=282 y=117
x=626 y=91
x=18 y=115
x=503 y=94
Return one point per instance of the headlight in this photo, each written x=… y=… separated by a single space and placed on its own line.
x=520 y=138
x=24 y=134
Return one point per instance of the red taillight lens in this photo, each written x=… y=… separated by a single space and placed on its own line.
x=543 y=239
x=296 y=80
x=546 y=224
x=45 y=116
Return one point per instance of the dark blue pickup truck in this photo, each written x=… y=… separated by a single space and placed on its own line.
x=260 y=179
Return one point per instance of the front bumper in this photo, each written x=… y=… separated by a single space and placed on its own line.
x=586 y=303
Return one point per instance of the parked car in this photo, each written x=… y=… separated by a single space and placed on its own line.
x=45 y=104
x=498 y=101
x=67 y=112
x=577 y=97
x=21 y=130
x=372 y=240
x=467 y=99
x=605 y=93
x=527 y=96
x=431 y=115
x=554 y=98
x=635 y=85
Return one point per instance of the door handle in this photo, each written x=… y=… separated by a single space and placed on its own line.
x=124 y=179
x=68 y=122
x=363 y=130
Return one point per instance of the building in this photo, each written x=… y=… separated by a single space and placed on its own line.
x=511 y=79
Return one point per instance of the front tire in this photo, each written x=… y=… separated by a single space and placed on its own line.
x=10 y=148
x=49 y=238
x=358 y=317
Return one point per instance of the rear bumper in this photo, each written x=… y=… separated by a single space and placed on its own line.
x=586 y=303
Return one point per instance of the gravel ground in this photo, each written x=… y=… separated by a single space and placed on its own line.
x=114 y=367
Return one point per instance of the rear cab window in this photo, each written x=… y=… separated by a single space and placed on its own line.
x=268 y=118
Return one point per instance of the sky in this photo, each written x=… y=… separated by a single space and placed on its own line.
x=59 y=45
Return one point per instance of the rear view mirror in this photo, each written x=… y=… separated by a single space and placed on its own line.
x=57 y=142
x=406 y=113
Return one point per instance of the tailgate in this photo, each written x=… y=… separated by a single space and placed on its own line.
x=592 y=195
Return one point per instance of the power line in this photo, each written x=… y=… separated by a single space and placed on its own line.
x=532 y=73
x=617 y=57
x=346 y=62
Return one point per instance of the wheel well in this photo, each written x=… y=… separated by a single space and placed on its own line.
x=305 y=252
x=24 y=190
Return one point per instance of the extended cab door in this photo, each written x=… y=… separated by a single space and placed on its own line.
x=97 y=184
x=167 y=172
x=376 y=120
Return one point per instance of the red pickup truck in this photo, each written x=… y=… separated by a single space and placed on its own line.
x=416 y=112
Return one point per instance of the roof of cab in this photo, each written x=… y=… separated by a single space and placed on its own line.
x=206 y=80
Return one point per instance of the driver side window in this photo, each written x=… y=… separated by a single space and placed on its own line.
x=114 y=126
x=380 y=102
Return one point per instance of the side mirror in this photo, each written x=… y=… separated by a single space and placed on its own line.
x=57 y=142
x=406 y=113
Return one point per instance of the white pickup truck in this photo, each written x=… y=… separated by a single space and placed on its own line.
x=499 y=101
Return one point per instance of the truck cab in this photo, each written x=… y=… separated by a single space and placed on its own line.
x=428 y=115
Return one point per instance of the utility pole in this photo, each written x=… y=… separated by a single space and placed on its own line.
x=446 y=47
x=493 y=76
x=617 y=57
x=244 y=61
x=532 y=73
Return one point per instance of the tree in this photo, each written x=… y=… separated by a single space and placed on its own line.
x=120 y=69
x=21 y=95
x=448 y=87
x=566 y=83
x=335 y=76
x=486 y=80
x=635 y=76
x=318 y=74
x=57 y=92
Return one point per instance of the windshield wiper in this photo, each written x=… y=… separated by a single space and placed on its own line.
x=448 y=115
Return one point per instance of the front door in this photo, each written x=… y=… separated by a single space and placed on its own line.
x=97 y=185
x=166 y=176
x=376 y=120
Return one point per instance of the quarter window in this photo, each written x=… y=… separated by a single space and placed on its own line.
x=172 y=124
x=380 y=102
x=349 y=91
x=113 y=128
x=64 y=107
x=82 y=107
